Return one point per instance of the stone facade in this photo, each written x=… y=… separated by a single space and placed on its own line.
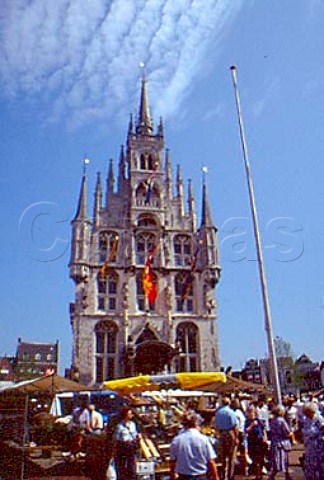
x=116 y=330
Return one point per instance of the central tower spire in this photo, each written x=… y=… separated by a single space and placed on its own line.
x=144 y=125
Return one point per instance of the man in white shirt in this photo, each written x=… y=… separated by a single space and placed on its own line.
x=96 y=420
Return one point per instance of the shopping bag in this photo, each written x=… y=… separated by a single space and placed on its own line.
x=111 y=470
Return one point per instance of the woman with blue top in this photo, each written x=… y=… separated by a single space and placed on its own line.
x=313 y=433
x=256 y=437
x=127 y=441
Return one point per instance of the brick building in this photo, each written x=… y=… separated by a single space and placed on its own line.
x=35 y=359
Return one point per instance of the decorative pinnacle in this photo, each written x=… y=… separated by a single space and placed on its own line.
x=86 y=162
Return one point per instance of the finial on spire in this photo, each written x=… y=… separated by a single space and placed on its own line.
x=144 y=124
x=86 y=162
x=204 y=171
x=142 y=66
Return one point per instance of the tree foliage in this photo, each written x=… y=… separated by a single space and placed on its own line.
x=284 y=351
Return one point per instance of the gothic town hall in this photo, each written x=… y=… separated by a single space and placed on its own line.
x=145 y=273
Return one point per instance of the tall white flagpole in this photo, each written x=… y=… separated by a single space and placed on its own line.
x=266 y=306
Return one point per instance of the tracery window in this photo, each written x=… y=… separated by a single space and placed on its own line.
x=144 y=244
x=106 y=349
x=147 y=162
x=106 y=243
x=147 y=194
x=184 y=290
x=188 y=341
x=182 y=250
x=107 y=291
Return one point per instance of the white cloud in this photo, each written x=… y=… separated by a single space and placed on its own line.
x=270 y=90
x=82 y=58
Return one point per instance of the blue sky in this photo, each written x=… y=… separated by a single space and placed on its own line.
x=70 y=76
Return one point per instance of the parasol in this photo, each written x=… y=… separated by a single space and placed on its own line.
x=144 y=383
x=50 y=384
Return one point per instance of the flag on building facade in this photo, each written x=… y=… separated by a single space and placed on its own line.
x=111 y=257
x=149 y=286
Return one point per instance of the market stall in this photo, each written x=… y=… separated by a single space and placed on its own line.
x=31 y=442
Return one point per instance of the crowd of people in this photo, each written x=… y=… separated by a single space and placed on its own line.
x=261 y=433
x=255 y=433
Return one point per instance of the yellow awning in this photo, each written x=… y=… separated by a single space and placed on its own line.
x=143 y=383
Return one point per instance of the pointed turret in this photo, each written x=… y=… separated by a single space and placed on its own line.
x=80 y=236
x=160 y=130
x=110 y=181
x=180 y=191
x=206 y=218
x=191 y=206
x=207 y=235
x=144 y=125
x=121 y=169
x=168 y=175
x=97 y=202
x=81 y=213
x=208 y=260
x=130 y=132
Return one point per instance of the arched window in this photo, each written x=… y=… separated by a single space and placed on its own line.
x=188 y=340
x=140 y=295
x=182 y=250
x=183 y=288
x=38 y=357
x=144 y=244
x=143 y=162
x=106 y=349
x=141 y=194
x=107 y=291
x=153 y=199
x=107 y=242
x=147 y=194
x=151 y=163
